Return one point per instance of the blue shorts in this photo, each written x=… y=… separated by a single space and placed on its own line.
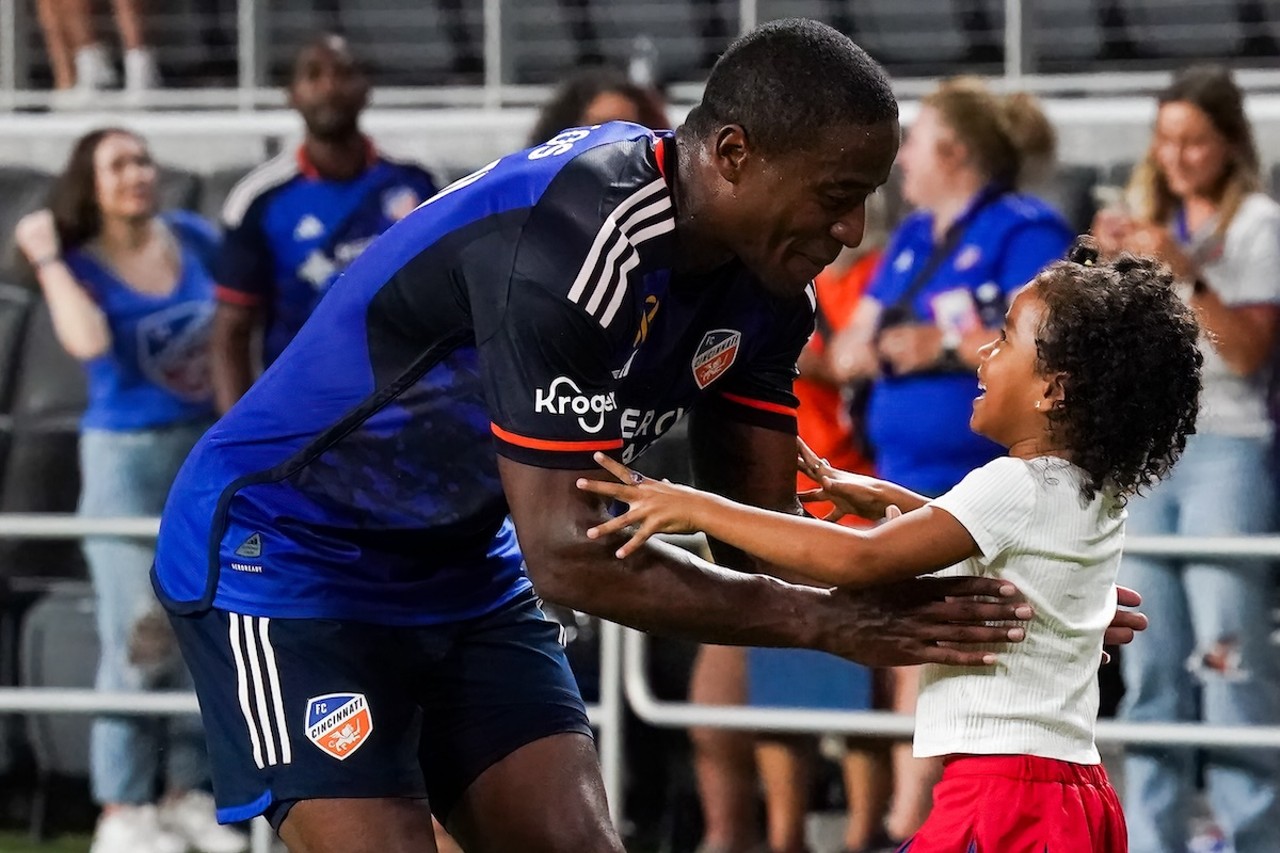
x=300 y=709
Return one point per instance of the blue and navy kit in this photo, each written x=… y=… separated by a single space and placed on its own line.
x=291 y=232
x=529 y=310
x=157 y=370
x=1006 y=240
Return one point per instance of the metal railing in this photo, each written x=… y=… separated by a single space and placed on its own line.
x=489 y=53
x=623 y=678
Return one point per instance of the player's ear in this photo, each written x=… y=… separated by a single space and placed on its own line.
x=730 y=149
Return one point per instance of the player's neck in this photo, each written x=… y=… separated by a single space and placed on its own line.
x=339 y=159
x=697 y=247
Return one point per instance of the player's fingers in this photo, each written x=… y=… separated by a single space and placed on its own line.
x=968 y=611
x=964 y=587
x=1131 y=620
x=603 y=487
x=614 y=467
x=1126 y=597
x=961 y=635
x=956 y=656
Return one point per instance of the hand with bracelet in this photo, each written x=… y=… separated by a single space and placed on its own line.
x=36 y=236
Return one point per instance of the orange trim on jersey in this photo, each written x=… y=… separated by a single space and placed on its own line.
x=547 y=444
x=231 y=296
x=308 y=169
x=660 y=154
x=776 y=408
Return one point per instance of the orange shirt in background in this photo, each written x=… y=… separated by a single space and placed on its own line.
x=823 y=415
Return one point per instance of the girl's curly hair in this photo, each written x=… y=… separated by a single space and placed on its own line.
x=1127 y=346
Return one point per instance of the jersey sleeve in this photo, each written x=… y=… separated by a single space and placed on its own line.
x=994 y=503
x=245 y=266
x=759 y=392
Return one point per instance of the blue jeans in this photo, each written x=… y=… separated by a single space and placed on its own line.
x=1206 y=655
x=129 y=474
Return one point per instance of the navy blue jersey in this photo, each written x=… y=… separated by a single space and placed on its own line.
x=529 y=310
x=291 y=232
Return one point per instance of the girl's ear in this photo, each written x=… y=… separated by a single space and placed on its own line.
x=1055 y=390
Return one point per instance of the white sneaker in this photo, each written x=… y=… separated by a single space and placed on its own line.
x=134 y=829
x=192 y=817
x=93 y=68
x=140 y=72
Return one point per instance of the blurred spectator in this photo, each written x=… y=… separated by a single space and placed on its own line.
x=131 y=296
x=939 y=295
x=295 y=223
x=786 y=764
x=596 y=96
x=1195 y=203
x=80 y=60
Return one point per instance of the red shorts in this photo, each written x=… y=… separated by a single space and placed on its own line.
x=1021 y=804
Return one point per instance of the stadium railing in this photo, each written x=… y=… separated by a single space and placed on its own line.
x=510 y=50
x=623 y=679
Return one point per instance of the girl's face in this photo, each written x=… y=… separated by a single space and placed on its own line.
x=1005 y=411
x=125 y=177
x=1189 y=151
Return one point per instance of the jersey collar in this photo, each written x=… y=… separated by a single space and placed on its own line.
x=308 y=169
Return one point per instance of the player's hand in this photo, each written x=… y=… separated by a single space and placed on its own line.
x=925 y=620
x=910 y=348
x=1126 y=623
x=653 y=506
x=850 y=494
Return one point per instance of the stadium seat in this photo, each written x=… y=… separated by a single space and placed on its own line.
x=215 y=188
x=59 y=648
x=178 y=189
x=22 y=190
x=1070 y=190
x=43 y=473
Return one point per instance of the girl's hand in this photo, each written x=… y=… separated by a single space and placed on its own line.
x=37 y=237
x=852 y=494
x=1157 y=241
x=656 y=507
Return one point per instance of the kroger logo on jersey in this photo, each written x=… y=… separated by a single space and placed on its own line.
x=339 y=723
x=564 y=397
x=173 y=349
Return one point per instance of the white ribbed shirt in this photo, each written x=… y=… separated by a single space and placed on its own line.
x=1033 y=528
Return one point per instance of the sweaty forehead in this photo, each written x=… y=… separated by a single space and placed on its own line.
x=853 y=155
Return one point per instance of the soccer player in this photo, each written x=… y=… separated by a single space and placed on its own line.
x=339 y=554
x=297 y=221
x=1088 y=418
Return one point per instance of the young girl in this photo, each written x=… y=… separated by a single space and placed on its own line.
x=1093 y=387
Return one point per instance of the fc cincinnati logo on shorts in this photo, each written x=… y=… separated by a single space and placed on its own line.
x=715 y=355
x=339 y=723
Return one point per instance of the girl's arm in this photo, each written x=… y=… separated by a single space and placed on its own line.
x=917 y=543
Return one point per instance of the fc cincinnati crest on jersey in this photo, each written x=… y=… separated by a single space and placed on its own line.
x=399 y=202
x=715 y=355
x=173 y=349
x=339 y=723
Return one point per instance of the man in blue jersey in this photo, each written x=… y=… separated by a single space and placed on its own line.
x=339 y=553
x=296 y=222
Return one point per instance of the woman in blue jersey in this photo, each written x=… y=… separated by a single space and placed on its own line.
x=130 y=295
x=942 y=289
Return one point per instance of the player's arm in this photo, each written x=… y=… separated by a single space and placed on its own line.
x=663 y=589
x=911 y=545
x=243 y=272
